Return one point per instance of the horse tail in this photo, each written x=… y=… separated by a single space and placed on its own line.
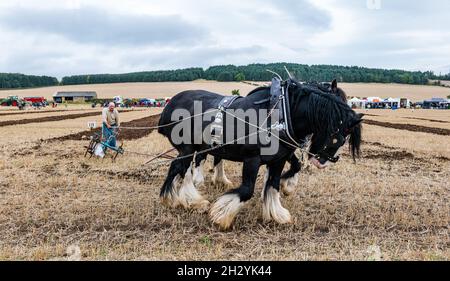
x=164 y=120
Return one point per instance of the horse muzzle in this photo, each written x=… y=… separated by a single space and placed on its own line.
x=316 y=162
x=322 y=162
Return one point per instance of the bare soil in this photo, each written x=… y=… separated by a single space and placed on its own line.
x=38 y=112
x=52 y=118
x=410 y=127
x=392 y=204
x=125 y=133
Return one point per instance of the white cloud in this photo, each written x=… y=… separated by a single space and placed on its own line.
x=55 y=37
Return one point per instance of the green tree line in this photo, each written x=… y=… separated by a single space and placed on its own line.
x=188 y=74
x=252 y=72
x=350 y=74
x=442 y=77
x=258 y=72
x=16 y=80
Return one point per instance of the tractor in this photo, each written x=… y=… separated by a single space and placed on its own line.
x=13 y=101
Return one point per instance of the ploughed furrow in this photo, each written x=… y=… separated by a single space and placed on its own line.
x=409 y=127
x=39 y=112
x=52 y=118
x=125 y=134
x=430 y=120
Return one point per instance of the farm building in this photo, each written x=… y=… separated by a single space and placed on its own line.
x=60 y=97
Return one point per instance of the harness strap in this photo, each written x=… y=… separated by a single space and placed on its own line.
x=217 y=125
x=287 y=115
x=227 y=102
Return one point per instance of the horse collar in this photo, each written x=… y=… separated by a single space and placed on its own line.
x=279 y=91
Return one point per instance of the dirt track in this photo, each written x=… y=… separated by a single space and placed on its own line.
x=430 y=120
x=125 y=134
x=409 y=127
x=412 y=118
x=52 y=118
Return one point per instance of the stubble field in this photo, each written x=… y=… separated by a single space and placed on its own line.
x=393 y=204
x=167 y=89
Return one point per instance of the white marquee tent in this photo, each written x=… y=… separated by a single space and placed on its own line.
x=356 y=103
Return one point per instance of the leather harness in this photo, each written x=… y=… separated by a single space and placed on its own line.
x=217 y=125
x=278 y=102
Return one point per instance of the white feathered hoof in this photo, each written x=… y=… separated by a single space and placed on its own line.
x=273 y=210
x=188 y=196
x=198 y=176
x=224 y=210
x=170 y=199
x=222 y=184
x=219 y=178
x=289 y=185
x=201 y=206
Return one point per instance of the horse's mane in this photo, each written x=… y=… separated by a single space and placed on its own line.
x=325 y=110
x=327 y=113
x=324 y=106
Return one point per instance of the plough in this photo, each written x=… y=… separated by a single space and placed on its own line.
x=96 y=140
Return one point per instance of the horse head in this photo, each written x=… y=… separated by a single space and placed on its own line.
x=328 y=118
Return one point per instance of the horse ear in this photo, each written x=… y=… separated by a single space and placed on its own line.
x=356 y=123
x=334 y=85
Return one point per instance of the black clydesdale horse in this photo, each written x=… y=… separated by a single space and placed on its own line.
x=313 y=111
x=289 y=178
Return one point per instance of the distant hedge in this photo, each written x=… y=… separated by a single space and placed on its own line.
x=251 y=72
x=442 y=77
x=258 y=72
x=16 y=80
x=188 y=74
x=350 y=74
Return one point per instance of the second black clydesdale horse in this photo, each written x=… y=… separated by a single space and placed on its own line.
x=289 y=178
x=313 y=111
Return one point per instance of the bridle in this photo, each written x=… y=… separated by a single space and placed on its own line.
x=324 y=154
x=284 y=97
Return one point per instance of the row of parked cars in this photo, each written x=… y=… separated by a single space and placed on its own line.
x=21 y=103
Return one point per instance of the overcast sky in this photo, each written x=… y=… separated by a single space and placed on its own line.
x=65 y=37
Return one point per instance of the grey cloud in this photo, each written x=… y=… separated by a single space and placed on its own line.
x=92 y=25
x=303 y=13
x=403 y=34
x=192 y=57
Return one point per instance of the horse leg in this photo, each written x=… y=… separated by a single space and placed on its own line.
x=289 y=179
x=178 y=188
x=169 y=190
x=228 y=205
x=272 y=208
x=219 y=178
x=188 y=195
x=199 y=178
